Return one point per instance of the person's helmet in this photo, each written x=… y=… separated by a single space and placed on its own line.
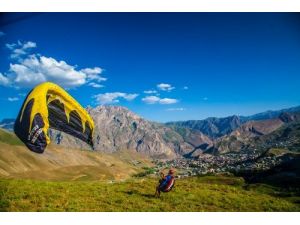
x=171 y=171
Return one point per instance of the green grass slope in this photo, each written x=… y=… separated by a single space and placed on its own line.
x=190 y=194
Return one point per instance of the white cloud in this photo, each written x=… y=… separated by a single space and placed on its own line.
x=154 y=100
x=185 y=88
x=11 y=46
x=166 y=101
x=150 y=92
x=37 y=69
x=13 y=99
x=95 y=85
x=4 y=81
x=130 y=97
x=94 y=74
x=2 y=33
x=151 y=99
x=20 y=49
x=108 y=98
x=165 y=87
x=30 y=70
x=176 y=109
x=29 y=44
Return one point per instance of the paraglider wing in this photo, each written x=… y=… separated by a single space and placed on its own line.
x=50 y=106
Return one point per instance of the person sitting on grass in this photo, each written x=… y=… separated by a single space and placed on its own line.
x=166 y=183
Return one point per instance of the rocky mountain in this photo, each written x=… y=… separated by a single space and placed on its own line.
x=287 y=137
x=117 y=128
x=257 y=128
x=212 y=127
x=198 y=140
x=258 y=134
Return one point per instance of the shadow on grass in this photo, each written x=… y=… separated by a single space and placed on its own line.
x=148 y=195
x=134 y=192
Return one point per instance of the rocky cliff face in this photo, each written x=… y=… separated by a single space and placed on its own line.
x=117 y=128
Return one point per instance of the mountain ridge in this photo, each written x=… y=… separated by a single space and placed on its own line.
x=117 y=128
x=215 y=127
x=260 y=134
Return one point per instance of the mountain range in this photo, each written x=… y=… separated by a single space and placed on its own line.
x=118 y=129
x=215 y=127
x=262 y=135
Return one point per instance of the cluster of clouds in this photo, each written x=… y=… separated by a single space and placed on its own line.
x=113 y=97
x=165 y=87
x=28 y=70
x=155 y=99
x=162 y=87
x=20 y=49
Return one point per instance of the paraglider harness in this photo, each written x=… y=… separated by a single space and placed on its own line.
x=167 y=183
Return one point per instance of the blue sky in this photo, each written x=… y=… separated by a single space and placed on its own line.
x=191 y=65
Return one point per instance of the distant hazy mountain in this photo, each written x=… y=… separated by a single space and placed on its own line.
x=218 y=127
x=263 y=134
x=7 y=124
x=212 y=127
x=270 y=114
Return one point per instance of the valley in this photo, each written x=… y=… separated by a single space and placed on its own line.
x=249 y=166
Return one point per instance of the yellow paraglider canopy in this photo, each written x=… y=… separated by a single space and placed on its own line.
x=46 y=106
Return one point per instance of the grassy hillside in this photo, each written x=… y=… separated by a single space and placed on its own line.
x=59 y=164
x=191 y=194
x=63 y=179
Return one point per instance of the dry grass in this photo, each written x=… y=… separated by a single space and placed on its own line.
x=58 y=164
